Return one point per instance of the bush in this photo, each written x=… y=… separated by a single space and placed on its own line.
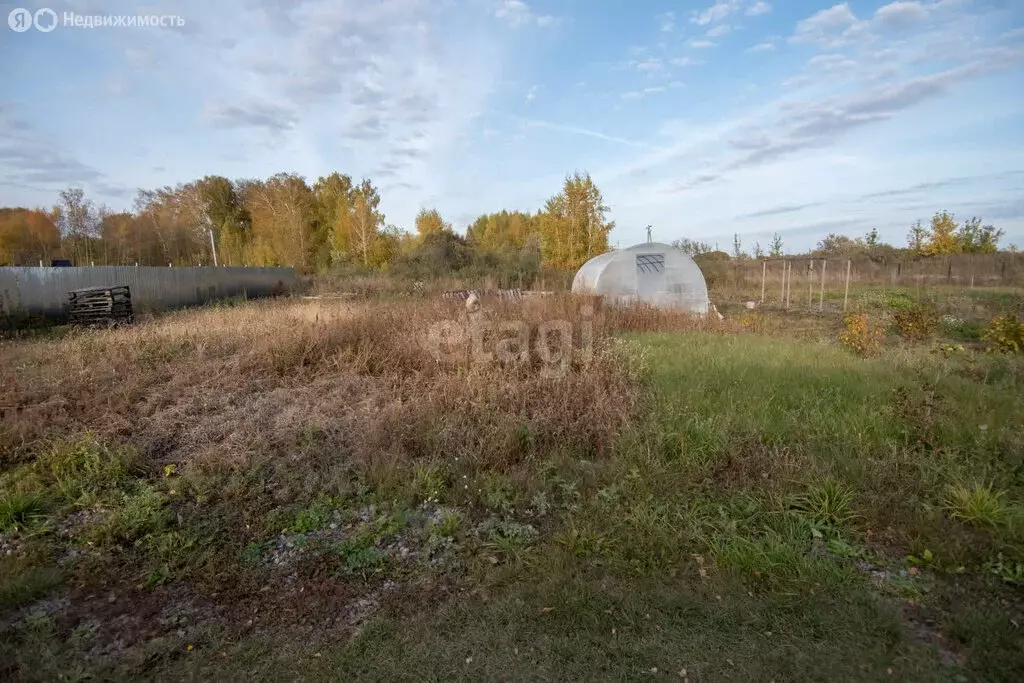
x=19 y=509
x=916 y=323
x=976 y=505
x=1006 y=334
x=861 y=335
x=85 y=470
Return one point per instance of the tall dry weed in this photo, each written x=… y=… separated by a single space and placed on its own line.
x=220 y=386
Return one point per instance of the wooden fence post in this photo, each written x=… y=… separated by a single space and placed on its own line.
x=764 y=272
x=821 y=294
x=810 y=283
x=782 y=298
x=789 y=286
x=846 y=294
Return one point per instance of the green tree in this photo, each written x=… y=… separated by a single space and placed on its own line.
x=975 y=238
x=833 y=245
x=737 y=246
x=871 y=239
x=775 y=248
x=917 y=238
x=692 y=247
x=758 y=251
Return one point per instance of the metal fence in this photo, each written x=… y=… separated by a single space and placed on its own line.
x=44 y=291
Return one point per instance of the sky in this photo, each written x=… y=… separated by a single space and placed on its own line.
x=702 y=119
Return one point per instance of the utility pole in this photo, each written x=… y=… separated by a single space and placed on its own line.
x=648 y=234
x=213 y=246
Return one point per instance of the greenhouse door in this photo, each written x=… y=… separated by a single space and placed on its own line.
x=650 y=274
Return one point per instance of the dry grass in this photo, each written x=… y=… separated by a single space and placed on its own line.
x=217 y=387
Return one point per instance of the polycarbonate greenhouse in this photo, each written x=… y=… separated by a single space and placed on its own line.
x=658 y=274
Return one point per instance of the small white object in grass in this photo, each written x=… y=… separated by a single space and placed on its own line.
x=750 y=305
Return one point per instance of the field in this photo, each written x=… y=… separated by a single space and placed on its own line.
x=343 y=489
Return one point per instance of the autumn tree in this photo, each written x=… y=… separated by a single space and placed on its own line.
x=573 y=225
x=75 y=217
x=942 y=235
x=223 y=214
x=366 y=222
x=503 y=232
x=429 y=221
x=833 y=245
x=27 y=236
x=282 y=213
x=335 y=200
x=692 y=247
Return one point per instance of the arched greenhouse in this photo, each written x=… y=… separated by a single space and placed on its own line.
x=658 y=274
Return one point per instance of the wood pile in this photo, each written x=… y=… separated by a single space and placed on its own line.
x=100 y=305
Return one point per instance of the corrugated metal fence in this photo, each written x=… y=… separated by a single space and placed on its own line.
x=44 y=291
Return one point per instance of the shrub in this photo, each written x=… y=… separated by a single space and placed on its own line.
x=899 y=301
x=916 y=323
x=136 y=516
x=827 y=503
x=1006 y=333
x=85 y=470
x=860 y=334
x=19 y=509
x=976 y=505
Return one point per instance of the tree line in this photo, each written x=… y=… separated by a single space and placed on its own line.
x=943 y=235
x=333 y=223
x=336 y=224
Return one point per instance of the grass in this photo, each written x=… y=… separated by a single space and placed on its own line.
x=285 y=489
x=978 y=505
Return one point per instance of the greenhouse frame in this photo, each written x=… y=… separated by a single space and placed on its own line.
x=652 y=272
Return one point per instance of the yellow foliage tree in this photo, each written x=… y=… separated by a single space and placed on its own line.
x=942 y=237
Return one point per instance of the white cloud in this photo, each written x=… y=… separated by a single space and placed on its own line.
x=831 y=63
x=758 y=8
x=700 y=44
x=901 y=14
x=766 y=46
x=719 y=31
x=717 y=12
x=654 y=89
x=531 y=94
x=831 y=28
x=668 y=22
x=684 y=61
x=649 y=64
x=517 y=13
x=838 y=26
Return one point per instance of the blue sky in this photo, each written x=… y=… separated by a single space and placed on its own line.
x=702 y=119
